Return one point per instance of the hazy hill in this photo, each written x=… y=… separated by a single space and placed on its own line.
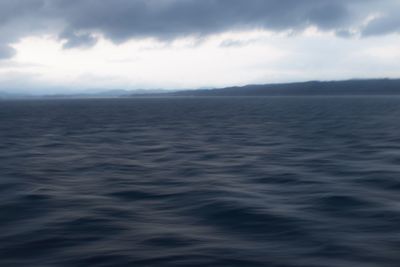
x=350 y=87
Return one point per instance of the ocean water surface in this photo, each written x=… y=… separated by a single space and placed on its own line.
x=269 y=181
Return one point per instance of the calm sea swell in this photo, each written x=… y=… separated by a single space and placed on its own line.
x=274 y=181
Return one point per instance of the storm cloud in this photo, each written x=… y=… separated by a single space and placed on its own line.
x=78 y=22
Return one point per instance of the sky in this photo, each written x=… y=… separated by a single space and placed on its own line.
x=69 y=46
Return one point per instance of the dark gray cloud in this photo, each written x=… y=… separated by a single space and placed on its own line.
x=123 y=19
x=383 y=25
x=119 y=20
x=76 y=39
x=6 y=51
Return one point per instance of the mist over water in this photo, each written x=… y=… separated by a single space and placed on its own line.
x=267 y=181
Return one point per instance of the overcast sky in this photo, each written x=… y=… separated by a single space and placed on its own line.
x=72 y=45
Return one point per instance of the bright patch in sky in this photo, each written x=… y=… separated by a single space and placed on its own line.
x=235 y=58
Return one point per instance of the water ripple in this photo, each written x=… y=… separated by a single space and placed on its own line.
x=279 y=181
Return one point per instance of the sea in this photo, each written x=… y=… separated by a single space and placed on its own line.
x=307 y=181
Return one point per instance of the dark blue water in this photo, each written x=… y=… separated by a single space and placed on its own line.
x=279 y=181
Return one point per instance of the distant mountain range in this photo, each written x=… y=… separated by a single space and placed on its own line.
x=312 y=88
x=86 y=94
x=350 y=87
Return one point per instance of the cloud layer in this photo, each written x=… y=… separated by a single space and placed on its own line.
x=78 y=22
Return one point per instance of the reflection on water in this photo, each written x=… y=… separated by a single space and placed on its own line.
x=279 y=181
